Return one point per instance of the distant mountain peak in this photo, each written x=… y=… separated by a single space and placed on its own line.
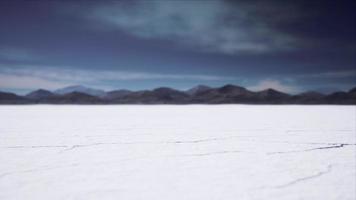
x=73 y=87
x=38 y=94
x=10 y=98
x=272 y=94
x=164 y=89
x=42 y=90
x=272 y=91
x=81 y=89
x=229 y=88
x=198 y=89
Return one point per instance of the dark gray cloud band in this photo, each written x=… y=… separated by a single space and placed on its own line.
x=208 y=26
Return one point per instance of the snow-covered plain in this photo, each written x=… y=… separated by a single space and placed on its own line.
x=222 y=152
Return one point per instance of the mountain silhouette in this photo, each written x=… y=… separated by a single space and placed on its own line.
x=227 y=94
x=39 y=94
x=81 y=89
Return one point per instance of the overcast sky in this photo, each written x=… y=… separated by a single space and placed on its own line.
x=291 y=46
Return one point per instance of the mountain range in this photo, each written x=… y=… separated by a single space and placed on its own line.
x=227 y=94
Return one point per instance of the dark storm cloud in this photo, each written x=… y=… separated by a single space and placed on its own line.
x=233 y=27
x=208 y=26
x=289 y=45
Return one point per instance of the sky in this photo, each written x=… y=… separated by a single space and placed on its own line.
x=292 y=46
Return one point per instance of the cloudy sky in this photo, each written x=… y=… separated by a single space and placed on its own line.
x=288 y=45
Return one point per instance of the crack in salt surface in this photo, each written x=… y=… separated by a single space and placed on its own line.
x=163 y=142
x=296 y=181
x=334 y=146
x=118 y=143
x=88 y=145
x=75 y=146
x=130 y=159
x=167 y=142
x=71 y=147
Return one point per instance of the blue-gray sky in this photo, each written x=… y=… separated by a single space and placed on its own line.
x=288 y=45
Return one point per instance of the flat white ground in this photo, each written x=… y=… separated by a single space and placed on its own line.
x=225 y=152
